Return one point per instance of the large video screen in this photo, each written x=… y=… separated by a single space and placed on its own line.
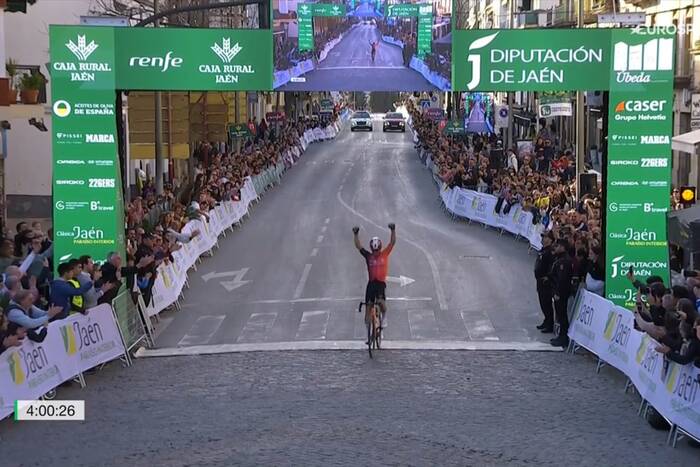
x=362 y=45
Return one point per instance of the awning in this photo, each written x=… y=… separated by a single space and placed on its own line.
x=686 y=142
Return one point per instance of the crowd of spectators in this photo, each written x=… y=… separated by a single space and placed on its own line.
x=670 y=315
x=542 y=181
x=31 y=296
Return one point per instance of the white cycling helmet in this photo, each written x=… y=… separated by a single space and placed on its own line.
x=375 y=244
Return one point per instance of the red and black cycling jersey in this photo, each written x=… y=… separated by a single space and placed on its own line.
x=377 y=263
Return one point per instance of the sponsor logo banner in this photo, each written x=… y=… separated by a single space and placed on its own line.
x=608 y=331
x=72 y=345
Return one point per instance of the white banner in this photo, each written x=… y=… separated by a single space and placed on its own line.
x=71 y=346
x=555 y=109
x=481 y=207
x=608 y=331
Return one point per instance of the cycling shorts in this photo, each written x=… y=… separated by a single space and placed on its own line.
x=375 y=290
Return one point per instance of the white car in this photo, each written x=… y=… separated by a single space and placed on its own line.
x=361 y=120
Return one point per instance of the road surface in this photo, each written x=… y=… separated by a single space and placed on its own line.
x=338 y=408
x=290 y=276
x=349 y=67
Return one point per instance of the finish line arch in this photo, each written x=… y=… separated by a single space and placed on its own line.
x=89 y=64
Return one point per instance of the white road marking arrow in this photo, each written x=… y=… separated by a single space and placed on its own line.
x=216 y=275
x=236 y=282
x=403 y=280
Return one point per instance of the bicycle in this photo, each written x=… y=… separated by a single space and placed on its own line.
x=373 y=322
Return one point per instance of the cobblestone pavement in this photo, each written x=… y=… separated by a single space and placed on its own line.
x=336 y=408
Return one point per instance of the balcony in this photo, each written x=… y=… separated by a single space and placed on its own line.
x=643 y=3
x=528 y=19
x=19 y=71
x=564 y=15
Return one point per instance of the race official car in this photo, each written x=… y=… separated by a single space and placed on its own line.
x=361 y=120
x=394 y=121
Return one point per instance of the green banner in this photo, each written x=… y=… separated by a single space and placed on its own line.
x=328 y=9
x=305 y=18
x=88 y=213
x=425 y=29
x=327 y=106
x=639 y=160
x=532 y=60
x=193 y=59
x=454 y=127
x=403 y=9
x=239 y=130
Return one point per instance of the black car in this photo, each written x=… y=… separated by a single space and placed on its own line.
x=394 y=121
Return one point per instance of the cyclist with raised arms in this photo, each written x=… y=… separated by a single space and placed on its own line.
x=377 y=268
x=373 y=51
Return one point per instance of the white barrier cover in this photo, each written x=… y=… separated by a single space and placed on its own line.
x=481 y=207
x=608 y=331
x=172 y=276
x=71 y=346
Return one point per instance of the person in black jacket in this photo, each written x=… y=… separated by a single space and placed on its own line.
x=690 y=349
x=561 y=275
x=543 y=265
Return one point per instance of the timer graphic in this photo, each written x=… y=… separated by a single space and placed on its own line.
x=49 y=410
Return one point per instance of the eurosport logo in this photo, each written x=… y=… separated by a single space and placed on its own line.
x=640 y=110
x=475 y=59
x=61 y=108
x=634 y=63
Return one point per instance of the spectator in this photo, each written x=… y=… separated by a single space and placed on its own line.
x=22 y=313
x=10 y=337
x=7 y=257
x=595 y=276
x=21 y=239
x=87 y=274
x=689 y=351
x=64 y=290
